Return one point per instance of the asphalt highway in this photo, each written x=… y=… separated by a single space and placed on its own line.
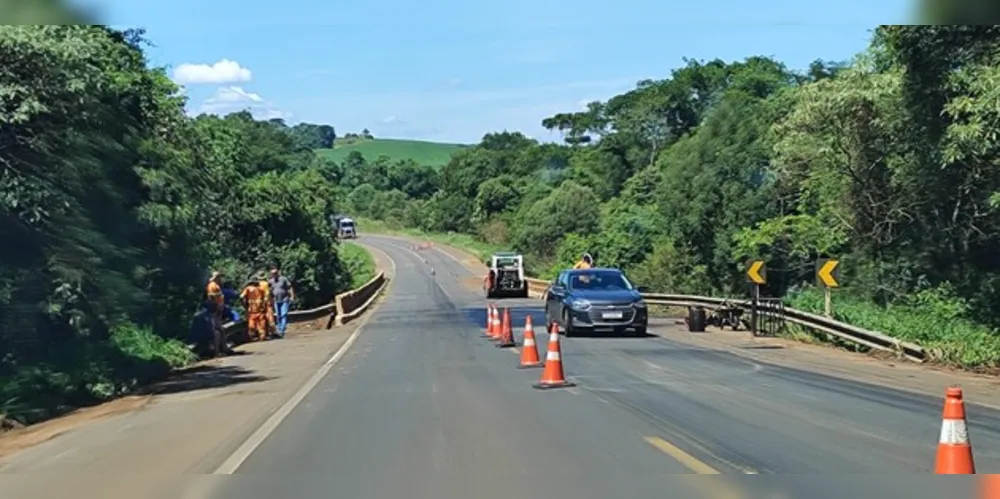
x=422 y=406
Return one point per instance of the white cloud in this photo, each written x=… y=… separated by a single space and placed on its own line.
x=392 y=120
x=224 y=71
x=233 y=99
x=235 y=94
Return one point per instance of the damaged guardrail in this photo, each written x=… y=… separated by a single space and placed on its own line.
x=871 y=339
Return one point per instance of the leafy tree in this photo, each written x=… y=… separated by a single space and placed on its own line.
x=116 y=205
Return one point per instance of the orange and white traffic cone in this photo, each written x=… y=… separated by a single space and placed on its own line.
x=489 y=321
x=494 y=329
x=507 y=335
x=552 y=376
x=954 y=453
x=529 y=350
x=503 y=327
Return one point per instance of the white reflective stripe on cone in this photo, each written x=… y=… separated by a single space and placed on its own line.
x=954 y=432
x=553 y=356
x=529 y=342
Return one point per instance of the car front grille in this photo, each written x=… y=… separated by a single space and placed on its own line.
x=597 y=311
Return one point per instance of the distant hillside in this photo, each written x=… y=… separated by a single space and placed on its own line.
x=425 y=153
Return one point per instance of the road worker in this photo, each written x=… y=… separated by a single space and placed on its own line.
x=213 y=291
x=255 y=303
x=586 y=262
x=265 y=286
x=216 y=304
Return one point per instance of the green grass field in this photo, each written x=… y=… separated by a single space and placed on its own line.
x=359 y=262
x=425 y=153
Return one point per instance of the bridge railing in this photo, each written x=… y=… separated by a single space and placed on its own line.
x=853 y=334
x=344 y=308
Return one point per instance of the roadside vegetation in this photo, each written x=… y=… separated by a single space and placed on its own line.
x=115 y=207
x=887 y=162
x=358 y=263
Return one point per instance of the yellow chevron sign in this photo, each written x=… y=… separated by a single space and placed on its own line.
x=828 y=272
x=757 y=272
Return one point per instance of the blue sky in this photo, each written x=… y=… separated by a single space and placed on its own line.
x=449 y=70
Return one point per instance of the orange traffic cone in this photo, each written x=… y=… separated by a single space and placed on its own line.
x=954 y=454
x=552 y=376
x=507 y=335
x=529 y=350
x=504 y=326
x=489 y=321
x=494 y=323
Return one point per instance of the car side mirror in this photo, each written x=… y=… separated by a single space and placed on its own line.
x=642 y=289
x=556 y=289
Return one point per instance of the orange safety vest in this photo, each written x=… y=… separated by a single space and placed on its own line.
x=214 y=292
x=256 y=299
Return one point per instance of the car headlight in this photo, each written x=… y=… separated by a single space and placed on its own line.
x=639 y=304
x=579 y=304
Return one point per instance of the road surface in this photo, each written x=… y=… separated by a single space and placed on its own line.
x=422 y=407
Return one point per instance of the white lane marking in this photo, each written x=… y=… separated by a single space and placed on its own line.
x=231 y=464
x=453 y=257
x=392 y=263
x=445 y=291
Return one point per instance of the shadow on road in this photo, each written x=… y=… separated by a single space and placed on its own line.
x=519 y=314
x=204 y=377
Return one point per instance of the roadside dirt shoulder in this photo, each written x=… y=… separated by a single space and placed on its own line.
x=187 y=424
x=190 y=423
x=821 y=359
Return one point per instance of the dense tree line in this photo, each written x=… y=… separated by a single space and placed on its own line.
x=311 y=135
x=888 y=162
x=114 y=207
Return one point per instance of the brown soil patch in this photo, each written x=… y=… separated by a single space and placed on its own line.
x=23 y=438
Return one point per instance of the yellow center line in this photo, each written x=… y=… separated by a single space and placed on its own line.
x=689 y=461
x=716 y=488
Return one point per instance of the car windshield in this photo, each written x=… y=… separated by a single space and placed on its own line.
x=507 y=262
x=609 y=280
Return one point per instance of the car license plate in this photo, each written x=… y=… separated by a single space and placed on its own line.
x=616 y=314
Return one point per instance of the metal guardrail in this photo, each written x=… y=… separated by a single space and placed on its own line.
x=871 y=339
x=345 y=307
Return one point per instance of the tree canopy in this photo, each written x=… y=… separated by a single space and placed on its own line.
x=115 y=207
x=886 y=161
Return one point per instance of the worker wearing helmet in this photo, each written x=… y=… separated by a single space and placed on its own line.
x=586 y=262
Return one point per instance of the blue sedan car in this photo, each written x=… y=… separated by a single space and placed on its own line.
x=595 y=299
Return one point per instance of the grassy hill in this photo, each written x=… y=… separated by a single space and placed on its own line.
x=425 y=153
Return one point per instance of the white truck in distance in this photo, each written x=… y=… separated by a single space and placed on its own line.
x=345 y=227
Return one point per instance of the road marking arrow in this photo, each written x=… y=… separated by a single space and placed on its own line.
x=757 y=272
x=828 y=273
